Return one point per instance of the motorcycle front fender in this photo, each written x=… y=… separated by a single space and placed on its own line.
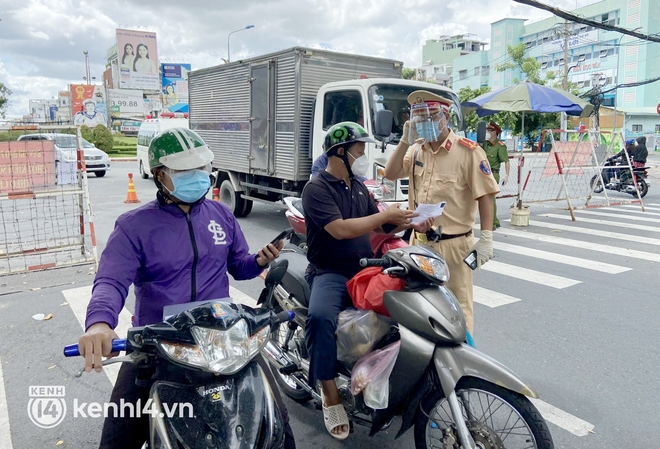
x=456 y=362
x=235 y=411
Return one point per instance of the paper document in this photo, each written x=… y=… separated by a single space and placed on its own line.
x=427 y=211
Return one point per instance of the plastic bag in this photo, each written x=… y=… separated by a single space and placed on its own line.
x=357 y=332
x=368 y=286
x=371 y=375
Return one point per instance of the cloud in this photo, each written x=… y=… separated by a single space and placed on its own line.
x=42 y=41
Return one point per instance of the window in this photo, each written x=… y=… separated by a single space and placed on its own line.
x=604 y=18
x=341 y=106
x=606 y=52
x=657 y=128
x=476 y=71
x=462 y=74
x=544 y=65
x=485 y=70
x=637 y=128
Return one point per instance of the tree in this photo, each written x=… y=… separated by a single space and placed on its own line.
x=408 y=74
x=4 y=99
x=87 y=133
x=103 y=138
x=531 y=70
x=466 y=94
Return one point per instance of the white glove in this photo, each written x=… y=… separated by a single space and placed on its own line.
x=484 y=247
x=409 y=134
x=505 y=178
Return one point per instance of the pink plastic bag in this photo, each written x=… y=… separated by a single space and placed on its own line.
x=371 y=375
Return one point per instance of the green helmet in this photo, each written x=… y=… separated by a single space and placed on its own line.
x=179 y=149
x=345 y=133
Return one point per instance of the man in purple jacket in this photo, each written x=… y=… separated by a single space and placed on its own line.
x=176 y=249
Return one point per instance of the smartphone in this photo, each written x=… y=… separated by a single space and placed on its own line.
x=280 y=236
x=471 y=260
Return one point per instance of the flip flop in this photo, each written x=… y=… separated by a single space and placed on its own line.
x=333 y=417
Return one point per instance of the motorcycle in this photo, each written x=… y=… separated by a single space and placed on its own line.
x=380 y=243
x=453 y=395
x=208 y=390
x=616 y=176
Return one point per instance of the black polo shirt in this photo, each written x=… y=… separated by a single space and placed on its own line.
x=326 y=199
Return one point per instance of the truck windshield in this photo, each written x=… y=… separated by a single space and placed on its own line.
x=395 y=98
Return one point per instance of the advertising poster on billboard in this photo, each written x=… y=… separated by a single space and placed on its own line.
x=88 y=105
x=138 y=60
x=175 y=87
x=125 y=102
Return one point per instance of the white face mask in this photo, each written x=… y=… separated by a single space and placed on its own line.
x=360 y=165
x=489 y=135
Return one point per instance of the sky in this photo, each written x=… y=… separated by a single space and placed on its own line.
x=42 y=41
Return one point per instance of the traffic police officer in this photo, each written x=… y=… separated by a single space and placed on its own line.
x=497 y=154
x=442 y=166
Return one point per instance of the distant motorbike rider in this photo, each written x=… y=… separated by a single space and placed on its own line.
x=176 y=249
x=641 y=153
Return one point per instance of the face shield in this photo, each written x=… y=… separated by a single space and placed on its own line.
x=429 y=119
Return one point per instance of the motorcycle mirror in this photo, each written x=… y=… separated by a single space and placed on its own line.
x=276 y=273
x=383 y=125
x=481 y=132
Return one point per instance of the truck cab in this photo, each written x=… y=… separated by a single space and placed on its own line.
x=361 y=101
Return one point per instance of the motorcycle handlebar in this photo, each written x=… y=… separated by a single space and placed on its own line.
x=287 y=315
x=117 y=346
x=382 y=262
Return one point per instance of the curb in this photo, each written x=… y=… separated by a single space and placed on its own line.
x=123 y=159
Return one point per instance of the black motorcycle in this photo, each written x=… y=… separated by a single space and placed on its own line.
x=208 y=390
x=616 y=176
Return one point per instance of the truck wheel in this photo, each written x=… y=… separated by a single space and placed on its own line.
x=232 y=199
x=248 y=207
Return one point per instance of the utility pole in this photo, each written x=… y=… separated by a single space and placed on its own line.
x=564 y=84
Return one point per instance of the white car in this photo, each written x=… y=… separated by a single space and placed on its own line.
x=97 y=161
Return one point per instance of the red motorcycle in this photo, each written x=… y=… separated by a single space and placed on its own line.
x=380 y=243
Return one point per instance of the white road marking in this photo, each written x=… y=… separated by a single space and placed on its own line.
x=561 y=258
x=608 y=249
x=560 y=418
x=5 y=429
x=526 y=274
x=620 y=216
x=78 y=298
x=615 y=235
x=637 y=209
x=490 y=298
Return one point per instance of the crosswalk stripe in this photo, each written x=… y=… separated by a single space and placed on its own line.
x=612 y=250
x=648 y=211
x=5 y=429
x=620 y=216
x=490 y=298
x=560 y=418
x=78 y=298
x=608 y=234
x=528 y=275
x=634 y=206
x=561 y=258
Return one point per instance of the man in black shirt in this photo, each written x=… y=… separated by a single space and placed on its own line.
x=339 y=214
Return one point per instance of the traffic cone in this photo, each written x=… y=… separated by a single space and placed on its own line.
x=216 y=194
x=131 y=196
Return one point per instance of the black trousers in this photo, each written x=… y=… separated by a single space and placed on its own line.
x=131 y=433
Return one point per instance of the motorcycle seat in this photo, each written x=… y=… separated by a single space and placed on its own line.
x=294 y=280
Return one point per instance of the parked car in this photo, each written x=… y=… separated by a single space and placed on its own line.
x=97 y=161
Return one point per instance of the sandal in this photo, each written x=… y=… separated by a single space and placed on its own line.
x=335 y=416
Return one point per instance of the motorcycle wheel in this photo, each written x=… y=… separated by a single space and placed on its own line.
x=643 y=188
x=285 y=381
x=499 y=418
x=596 y=185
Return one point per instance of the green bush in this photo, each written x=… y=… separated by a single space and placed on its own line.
x=103 y=138
x=87 y=133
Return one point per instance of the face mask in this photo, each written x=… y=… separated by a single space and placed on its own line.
x=428 y=130
x=360 y=165
x=488 y=135
x=190 y=185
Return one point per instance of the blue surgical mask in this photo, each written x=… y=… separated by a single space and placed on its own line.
x=428 y=130
x=190 y=185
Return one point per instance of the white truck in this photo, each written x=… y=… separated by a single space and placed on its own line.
x=265 y=118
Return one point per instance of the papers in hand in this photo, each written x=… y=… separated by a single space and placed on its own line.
x=427 y=211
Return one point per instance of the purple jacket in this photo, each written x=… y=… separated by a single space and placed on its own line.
x=171 y=258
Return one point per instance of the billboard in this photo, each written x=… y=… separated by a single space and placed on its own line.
x=175 y=87
x=138 y=60
x=125 y=102
x=88 y=105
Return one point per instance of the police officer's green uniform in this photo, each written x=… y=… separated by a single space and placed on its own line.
x=497 y=155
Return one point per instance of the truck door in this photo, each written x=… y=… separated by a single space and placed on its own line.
x=261 y=118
